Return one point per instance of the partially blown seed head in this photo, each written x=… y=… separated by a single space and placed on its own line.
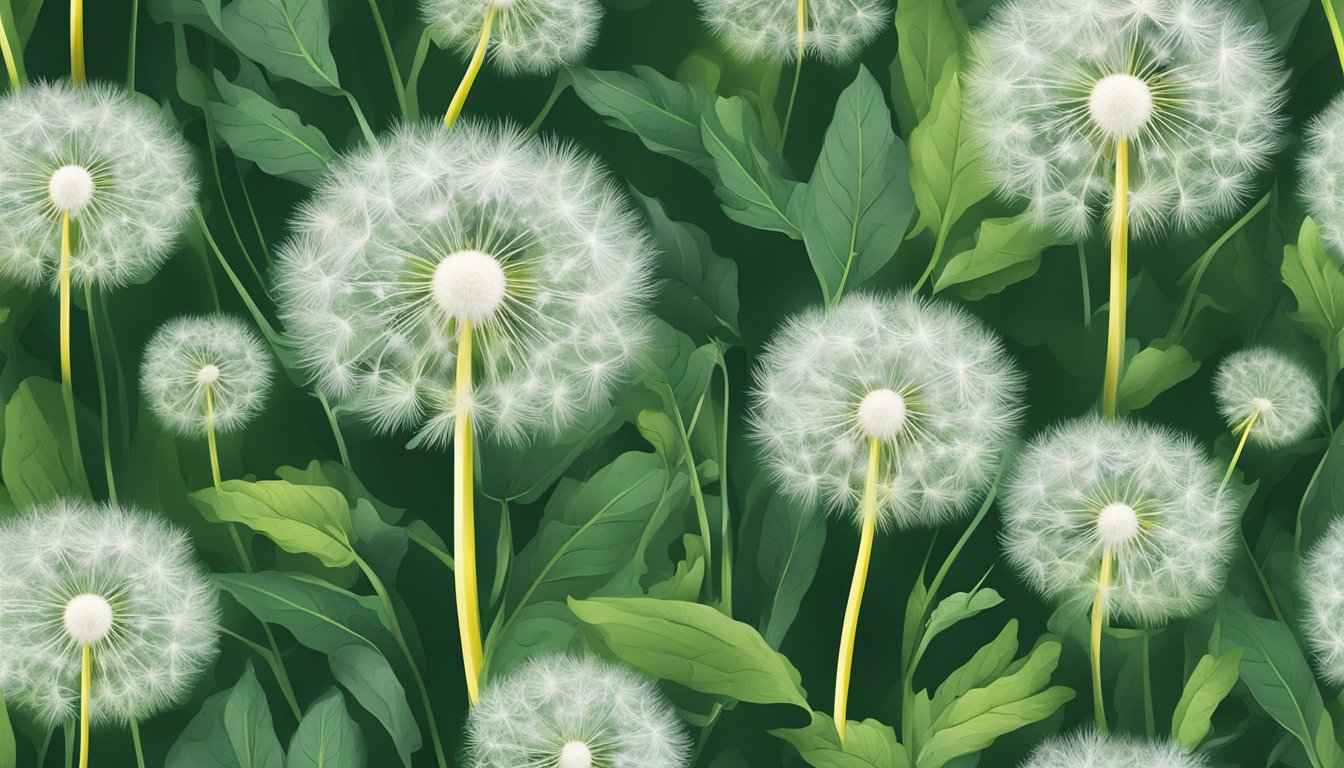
x=575 y=712
x=1146 y=493
x=1193 y=87
x=1090 y=748
x=1322 y=585
x=527 y=37
x=531 y=242
x=189 y=355
x=1323 y=175
x=114 y=164
x=927 y=380
x=115 y=579
x=1271 y=386
x=837 y=30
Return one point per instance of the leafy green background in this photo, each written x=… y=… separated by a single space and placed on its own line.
x=596 y=540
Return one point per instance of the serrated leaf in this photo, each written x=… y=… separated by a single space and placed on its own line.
x=1006 y=251
x=749 y=174
x=303 y=519
x=273 y=137
x=327 y=737
x=858 y=201
x=1317 y=285
x=1208 y=685
x=37 y=460
x=868 y=744
x=287 y=37
x=663 y=113
x=1151 y=372
x=946 y=171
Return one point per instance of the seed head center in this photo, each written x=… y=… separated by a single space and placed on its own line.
x=469 y=285
x=70 y=189
x=1262 y=405
x=882 y=415
x=88 y=619
x=1121 y=105
x=209 y=374
x=1117 y=524
x=575 y=754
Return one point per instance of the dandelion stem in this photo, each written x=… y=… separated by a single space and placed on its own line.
x=210 y=437
x=77 y=41
x=1149 y=722
x=1098 y=621
x=464 y=523
x=1087 y=289
x=1115 y=337
x=359 y=117
x=413 y=79
x=846 y=658
x=130 y=55
x=10 y=48
x=725 y=518
x=135 y=742
x=67 y=386
x=1244 y=428
x=102 y=396
x=335 y=428
x=391 y=57
x=797 y=70
x=473 y=68
x=933 y=261
x=697 y=494
x=1334 y=29
x=85 y=683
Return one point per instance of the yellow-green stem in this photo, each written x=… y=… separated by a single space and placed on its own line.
x=11 y=62
x=1099 y=621
x=847 y=632
x=797 y=69
x=1334 y=30
x=210 y=436
x=1115 y=337
x=85 y=684
x=464 y=523
x=103 y=405
x=473 y=68
x=67 y=385
x=77 y=41
x=1245 y=429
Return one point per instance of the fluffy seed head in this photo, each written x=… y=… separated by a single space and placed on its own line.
x=1192 y=85
x=1322 y=586
x=117 y=579
x=88 y=619
x=837 y=30
x=1091 y=749
x=530 y=239
x=70 y=189
x=527 y=37
x=574 y=712
x=1322 y=186
x=929 y=380
x=109 y=160
x=188 y=355
x=1274 y=387
x=1148 y=494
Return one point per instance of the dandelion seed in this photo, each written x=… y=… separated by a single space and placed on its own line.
x=1092 y=749
x=1267 y=391
x=190 y=356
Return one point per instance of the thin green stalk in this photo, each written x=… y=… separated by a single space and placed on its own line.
x=799 y=50
x=266 y=328
x=224 y=199
x=130 y=59
x=118 y=376
x=335 y=428
x=726 y=535
x=1180 y=323
x=937 y=256
x=413 y=80
x=359 y=116
x=391 y=60
x=1087 y=290
x=10 y=48
x=561 y=83
x=273 y=660
x=135 y=741
x=102 y=395
x=702 y=515
x=1149 y=722
x=1334 y=30
x=1264 y=584
x=252 y=212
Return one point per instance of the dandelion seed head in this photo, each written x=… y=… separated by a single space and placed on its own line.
x=1322 y=168
x=469 y=285
x=70 y=189
x=1089 y=748
x=88 y=619
x=837 y=30
x=1273 y=387
x=527 y=37
x=882 y=414
x=1121 y=105
x=188 y=356
x=1321 y=582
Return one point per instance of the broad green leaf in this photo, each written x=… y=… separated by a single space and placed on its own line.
x=523 y=473
x=534 y=629
x=320 y=615
x=304 y=519
x=369 y=678
x=204 y=743
x=269 y=135
x=37 y=460
x=1208 y=685
x=661 y=432
x=1273 y=669
x=792 y=537
x=327 y=737
x=287 y=37
x=1317 y=285
x=693 y=645
x=858 y=203
x=750 y=176
x=1006 y=251
x=955 y=608
x=233 y=729
x=868 y=744
x=663 y=113
x=333 y=474
x=671 y=360
x=988 y=663
x=8 y=747
x=928 y=39
x=1151 y=372
x=946 y=171
x=688 y=579
x=698 y=287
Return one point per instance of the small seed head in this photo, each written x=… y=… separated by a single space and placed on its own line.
x=71 y=189
x=575 y=754
x=1117 y=524
x=882 y=414
x=88 y=619
x=469 y=285
x=1262 y=404
x=1121 y=105
x=209 y=374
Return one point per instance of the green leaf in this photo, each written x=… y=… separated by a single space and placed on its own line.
x=792 y=537
x=327 y=737
x=1151 y=372
x=1208 y=685
x=8 y=746
x=670 y=360
x=663 y=113
x=37 y=461
x=928 y=39
x=304 y=519
x=233 y=730
x=750 y=176
x=1006 y=251
x=868 y=744
x=320 y=615
x=953 y=609
x=523 y=473
x=988 y=664
x=1317 y=284
x=287 y=37
x=858 y=203
x=699 y=288
x=271 y=136
x=693 y=645
x=369 y=678
x=946 y=172
x=1273 y=669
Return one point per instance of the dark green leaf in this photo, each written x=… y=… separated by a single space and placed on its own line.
x=868 y=744
x=287 y=37
x=271 y=136
x=232 y=730
x=663 y=113
x=1006 y=251
x=327 y=737
x=699 y=287
x=1153 y=371
x=320 y=615
x=37 y=461
x=750 y=176
x=792 y=538
x=369 y=678
x=1317 y=284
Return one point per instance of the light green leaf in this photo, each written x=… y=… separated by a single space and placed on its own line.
x=287 y=37
x=858 y=203
x=792 y=537
x=928 y=39
x=1151 y=372
x=327 y=737
x=955 y=608
x=988 y=664
x=304 y=519
x=232 y=730
x=687 y=580
x=1006 y=251
x=369 y=678
x=37 y=461
x=663 y=113
x=693 y=645
x=1208 y=685
x=946 y=171
x=8 y=746
x=750 y=176
x=271 y=136
x=868 y=744
x=1317 y=284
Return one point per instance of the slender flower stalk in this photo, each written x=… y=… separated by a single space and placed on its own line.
x=77 y=41
x=1333 y=21
x=473 y=68
x=797 y=69
x=464 y=521
x=1119 y=301
x=11 y=54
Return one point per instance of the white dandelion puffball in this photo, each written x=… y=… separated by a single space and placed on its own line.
x=1322 y=586
x=1147 y=494
x=570 y=711
x=115 y=579
x=187 y=355
x=1193 y=87
x=837 y=30
x=531 y=242
x=928 y=380
x=527 y=37
x=1323 y=175
x=115 y=165
x=1090 y=748
x=1273 y=387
